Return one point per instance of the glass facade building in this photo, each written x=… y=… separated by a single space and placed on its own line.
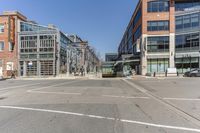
x=187 y=38
x=188 y=22
x=167 y=35
x=42 y=50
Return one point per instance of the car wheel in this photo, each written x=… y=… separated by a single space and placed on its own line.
x=193 y=75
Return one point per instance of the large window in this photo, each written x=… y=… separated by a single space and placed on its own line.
x=186 y=63
x=130 y=46
x=1 y=28
x=184 y=5
x=185 y=22
x=187 y=42
x=137 y=17
x=24 y=27
x=157 y=65
x=2 y=45
x=158 y=44
x=158 y=25
x=137 y=33
x=158 y=6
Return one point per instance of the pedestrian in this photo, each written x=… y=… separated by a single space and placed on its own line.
x=81 y=71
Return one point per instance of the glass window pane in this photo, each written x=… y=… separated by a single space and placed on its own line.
x=1 y=28
x=186 y=21
x=195 y=20
x=161 y=25
x=155 y=6
x=2 y=46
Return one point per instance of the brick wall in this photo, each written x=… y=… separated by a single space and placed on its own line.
x=8 y=36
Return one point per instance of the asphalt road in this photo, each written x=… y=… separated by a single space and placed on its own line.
x=100 y=106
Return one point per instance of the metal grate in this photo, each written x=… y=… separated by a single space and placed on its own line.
x=46 y=68
x=32 y=70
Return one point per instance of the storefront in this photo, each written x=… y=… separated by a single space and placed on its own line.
x=157 y=65
x=187 y=63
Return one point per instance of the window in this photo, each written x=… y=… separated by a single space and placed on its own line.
x=187 y=42
x=157 y=65
x=1 y=62
x=158 y=25
x=137 y=17
x=158 y=44
x=186 y=21
x=137 y=33
x=195 y=20
x=190 y=21
x=184 y=5
x=1 y=28
x=158 y=6
x=179 y=23
x=1 y=46
x=186 y=64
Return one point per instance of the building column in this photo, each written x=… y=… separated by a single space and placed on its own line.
x=38 y=68
x=68 y=62
x=143 y=50
x=58 y=54
x=25 y=69
x=172 y=50
x=199 y=59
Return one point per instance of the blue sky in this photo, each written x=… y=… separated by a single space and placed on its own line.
x=101 y=22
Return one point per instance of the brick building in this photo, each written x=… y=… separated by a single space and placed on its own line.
x=162 y=34
x=31 y=49
x=9 y=42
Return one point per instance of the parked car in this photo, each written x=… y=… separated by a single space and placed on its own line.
x=193 y=73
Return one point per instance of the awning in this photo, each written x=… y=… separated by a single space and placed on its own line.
x=127 y=61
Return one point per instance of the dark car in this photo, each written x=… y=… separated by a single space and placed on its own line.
x=193 y=73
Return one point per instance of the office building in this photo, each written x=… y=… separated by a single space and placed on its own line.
x=162 y=34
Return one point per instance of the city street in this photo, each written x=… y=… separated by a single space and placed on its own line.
x=100 y=106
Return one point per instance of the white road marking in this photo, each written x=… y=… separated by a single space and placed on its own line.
x=19 y=86
x=58 y=93
x=65 y=83
x=125 y=97
x=166 y=103
x=182 y=99
x=102 y=117
x=66 y=93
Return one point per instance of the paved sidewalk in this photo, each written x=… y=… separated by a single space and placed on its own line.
x=64 y=76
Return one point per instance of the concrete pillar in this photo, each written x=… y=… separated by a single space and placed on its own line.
x=25 y=69
x=172 y=50
x=38 y=68
x=58 y=54
x=67 y=61
x=143 y=50
x=199 y=59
